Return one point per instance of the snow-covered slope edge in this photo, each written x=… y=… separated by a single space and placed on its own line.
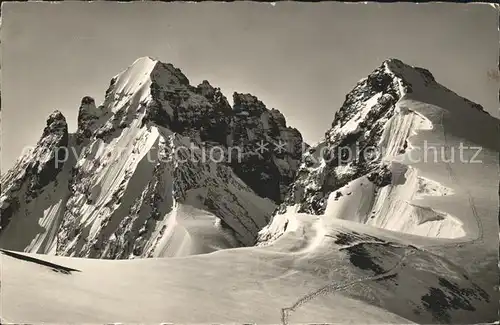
x=314 y=273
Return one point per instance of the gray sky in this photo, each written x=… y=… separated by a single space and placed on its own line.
x=301 y=58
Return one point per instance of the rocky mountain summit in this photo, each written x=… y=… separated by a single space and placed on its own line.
x=130 y=163
x=369 y=134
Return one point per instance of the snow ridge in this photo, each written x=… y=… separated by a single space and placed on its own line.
x=378 y=115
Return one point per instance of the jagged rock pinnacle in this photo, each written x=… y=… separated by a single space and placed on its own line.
x=56 y=122
x=248 y=103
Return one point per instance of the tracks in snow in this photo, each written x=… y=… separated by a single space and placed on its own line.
x=338 y=286
x=332 y=288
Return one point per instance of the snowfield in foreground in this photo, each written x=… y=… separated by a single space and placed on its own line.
x=409 y=238
x=313 y=273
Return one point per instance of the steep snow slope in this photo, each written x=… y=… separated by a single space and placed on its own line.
x=35 y=188
x=127 y=208
x=397 y=191
x=156 y=142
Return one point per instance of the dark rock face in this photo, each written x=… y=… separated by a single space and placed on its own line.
x=7 y=210
x=349 y=238
x=176 y=73
x=214 y=125
x=360 y=257
x=157 y=115
x=272 y=152
x=200 y=112
x=51 y=151
x=381 y=176
x=249 y=104
x=204 y=113
x=353 y=147
x=359 y=254
x=40 y=168
x=87 y=115
x=450 y=296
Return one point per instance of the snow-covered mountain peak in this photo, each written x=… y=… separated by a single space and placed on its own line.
x=128 y=169
x=143 y=82
x=145 y=71
x=370 y=134
x=135 y=76
x=403 y=70
x=419 y=81
x=412 y=78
